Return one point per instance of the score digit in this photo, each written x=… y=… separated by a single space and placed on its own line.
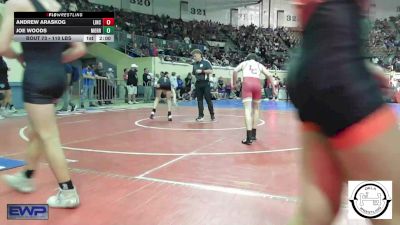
x=108 y=30
x=108 y=21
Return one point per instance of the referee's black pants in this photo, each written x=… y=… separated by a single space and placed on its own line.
x=203 y=91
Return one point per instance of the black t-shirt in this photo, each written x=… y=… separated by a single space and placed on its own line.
x=100 y=72
x=132 y=78
x=188 y=83
x=146 y=79
x=202 y=65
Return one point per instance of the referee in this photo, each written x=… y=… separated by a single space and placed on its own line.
x=202 y=70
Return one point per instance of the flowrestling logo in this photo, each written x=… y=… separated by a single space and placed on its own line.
x=370 y=199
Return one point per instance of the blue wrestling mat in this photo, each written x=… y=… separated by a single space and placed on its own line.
x=237 y=104
x=6 y=164
x=265 y=105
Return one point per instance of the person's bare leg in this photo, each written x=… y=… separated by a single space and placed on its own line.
x=130 y=98
x=34 y=151
x=169 y=103
x=134 y=96
x=321 y=182
x=8 y=98
x=44 y=123
x=155 y=104
x=22 y=181
x=377 y=159
x=169 y=100
x=256 y=118
x=247 y=104
x=157 y=99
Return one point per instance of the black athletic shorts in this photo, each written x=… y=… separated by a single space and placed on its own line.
x=45 y=87
x=164 y=89
x=328 y=81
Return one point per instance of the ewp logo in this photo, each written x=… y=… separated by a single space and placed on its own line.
x=27 y=212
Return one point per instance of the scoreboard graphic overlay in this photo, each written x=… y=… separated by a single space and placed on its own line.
x=64 y=27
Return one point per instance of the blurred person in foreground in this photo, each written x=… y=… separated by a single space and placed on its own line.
x=44 y=82
x=349 y=133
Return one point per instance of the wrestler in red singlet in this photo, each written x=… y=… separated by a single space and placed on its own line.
x=251 y=93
